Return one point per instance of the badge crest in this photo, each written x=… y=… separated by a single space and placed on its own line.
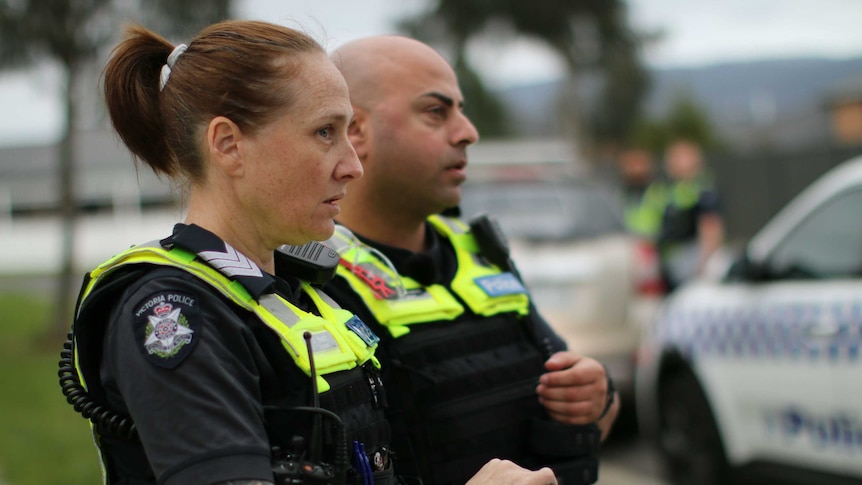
x=167 y=327
x=167 y=332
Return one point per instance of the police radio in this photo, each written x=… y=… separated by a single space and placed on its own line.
x=301 y=462
x=313 y=262
x=492 y=242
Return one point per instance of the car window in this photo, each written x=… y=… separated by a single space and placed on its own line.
x=827 y=244
x=544 y=211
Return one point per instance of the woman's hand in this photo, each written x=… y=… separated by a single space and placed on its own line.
x=505 y=472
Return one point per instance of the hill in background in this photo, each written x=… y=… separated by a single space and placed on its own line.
x=779 y=103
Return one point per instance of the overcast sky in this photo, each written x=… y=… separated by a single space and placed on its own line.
x=696 y=32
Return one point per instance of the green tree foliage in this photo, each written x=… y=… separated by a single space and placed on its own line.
x=687 y=119
x=482 y=107
x=591 y=36
x=684 y=119
x=73 y=35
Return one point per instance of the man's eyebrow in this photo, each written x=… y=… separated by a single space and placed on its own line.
x=444 y=99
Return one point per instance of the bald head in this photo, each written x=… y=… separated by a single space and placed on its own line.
x=371 y=65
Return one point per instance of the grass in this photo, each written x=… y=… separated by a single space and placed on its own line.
x=43 y=440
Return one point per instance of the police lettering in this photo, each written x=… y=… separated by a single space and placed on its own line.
x=821 y=431
x=181 y=299
x=163 y=298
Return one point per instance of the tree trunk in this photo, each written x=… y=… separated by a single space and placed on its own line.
x=66 y=157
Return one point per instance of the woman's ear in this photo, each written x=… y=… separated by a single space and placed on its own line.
x=359 y=133
x=222 y=143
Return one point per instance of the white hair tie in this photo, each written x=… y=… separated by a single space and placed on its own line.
x=172 y=59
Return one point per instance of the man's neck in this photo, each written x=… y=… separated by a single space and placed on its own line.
x=400 y=232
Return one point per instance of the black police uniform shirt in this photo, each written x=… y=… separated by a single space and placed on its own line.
x=197 y=401
x=681 y=225
x=438 y=264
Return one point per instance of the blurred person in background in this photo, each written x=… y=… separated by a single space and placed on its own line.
x=472 y=370
x=643 y=193
x=196 y=358
x=692 y=228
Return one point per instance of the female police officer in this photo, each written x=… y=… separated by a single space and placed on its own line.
x=199 y=364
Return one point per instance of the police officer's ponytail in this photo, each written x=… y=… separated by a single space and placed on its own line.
x=131 y=84
x=242 y=70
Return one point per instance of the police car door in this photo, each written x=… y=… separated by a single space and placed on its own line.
x=812 y=310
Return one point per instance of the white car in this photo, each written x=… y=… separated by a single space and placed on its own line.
x=758 y=375
x=595 y=284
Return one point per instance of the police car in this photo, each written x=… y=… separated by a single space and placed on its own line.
x=757 y=375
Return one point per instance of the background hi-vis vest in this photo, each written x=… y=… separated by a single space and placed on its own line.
x=482 y=286
x=644 y=217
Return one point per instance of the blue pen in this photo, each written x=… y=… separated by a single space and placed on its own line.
x=366 y=463
x=357 y=461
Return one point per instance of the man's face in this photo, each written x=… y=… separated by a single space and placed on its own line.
x=419 y=136
x=683 y=160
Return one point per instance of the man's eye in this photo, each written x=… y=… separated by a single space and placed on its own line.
x=325 y=132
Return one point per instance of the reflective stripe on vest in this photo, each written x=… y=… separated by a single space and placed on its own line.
x=685 y=193
x=422 y=304
x=335 y=347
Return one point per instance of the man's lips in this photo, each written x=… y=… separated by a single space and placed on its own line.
x=459 y=165
x=333 y=200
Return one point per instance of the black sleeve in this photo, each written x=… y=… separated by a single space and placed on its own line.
x=182 y=361
x=709 y=202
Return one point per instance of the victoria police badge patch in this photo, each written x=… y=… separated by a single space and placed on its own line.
x=167 y=325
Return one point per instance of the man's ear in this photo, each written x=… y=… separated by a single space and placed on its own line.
x=222 y=143
x=359 y=132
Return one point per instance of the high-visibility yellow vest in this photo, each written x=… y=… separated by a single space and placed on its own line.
x=645 y=217
x=398 y=302
x=334 y=345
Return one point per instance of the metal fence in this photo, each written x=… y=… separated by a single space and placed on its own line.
x=755 y=186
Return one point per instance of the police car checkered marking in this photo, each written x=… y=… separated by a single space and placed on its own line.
x=776 y=331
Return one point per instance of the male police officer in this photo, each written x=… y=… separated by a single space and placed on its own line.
x=472 y=371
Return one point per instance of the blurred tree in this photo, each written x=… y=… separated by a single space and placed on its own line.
x=650 y=134
x=687 y=119
x=589 y=35
x=482 y=107
x=73 y=35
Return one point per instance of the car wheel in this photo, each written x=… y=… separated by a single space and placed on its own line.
x=688 y=436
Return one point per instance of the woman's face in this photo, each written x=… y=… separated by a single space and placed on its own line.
x=301 y=163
